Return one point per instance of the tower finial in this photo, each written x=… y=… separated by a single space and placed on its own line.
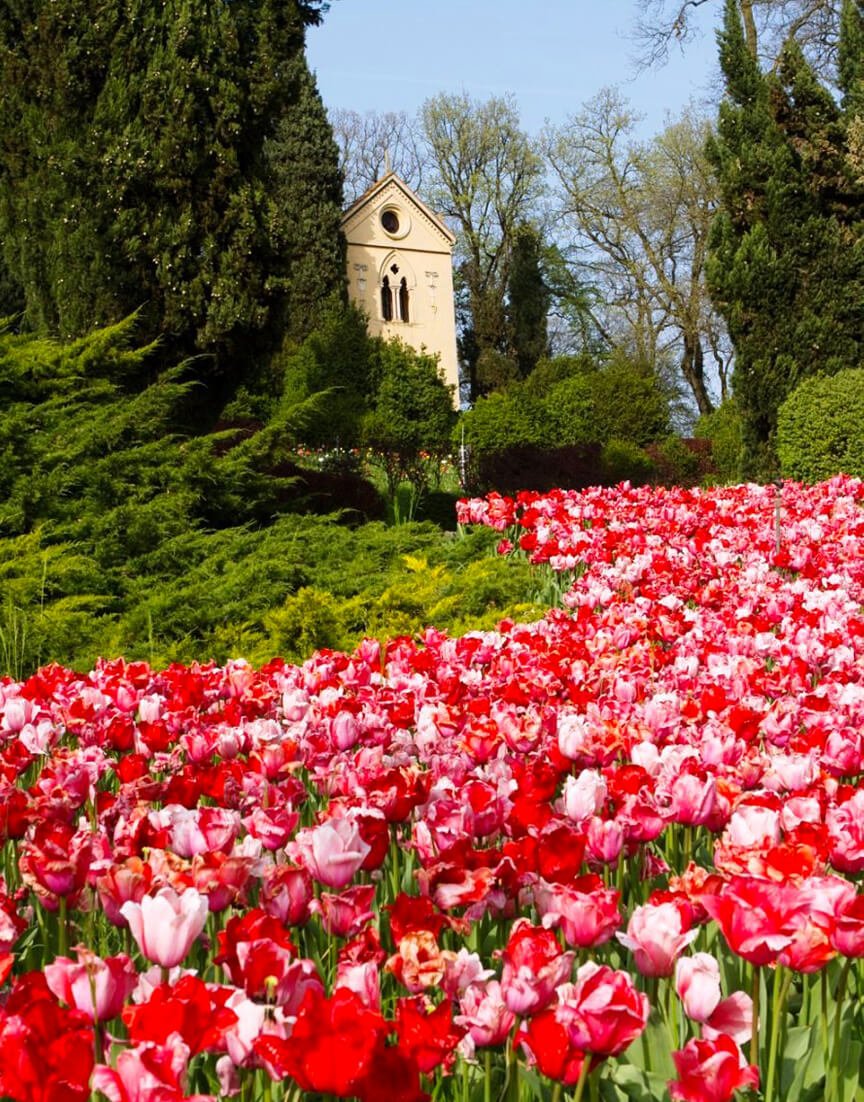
x=387 y=168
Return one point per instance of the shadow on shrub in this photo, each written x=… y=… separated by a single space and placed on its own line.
x=528 y=467
x=439 y=508
x=324 y=492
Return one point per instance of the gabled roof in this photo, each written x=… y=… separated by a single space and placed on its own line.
x=372 y=193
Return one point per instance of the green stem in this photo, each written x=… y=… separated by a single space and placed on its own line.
x=673 y=1008
x=838 y=1015
x=98 y=1048
x=754 y=1032
x=487 y=1081
x=512 y=1073
x=782 y=979
x=62 y=931
x=583 y=1077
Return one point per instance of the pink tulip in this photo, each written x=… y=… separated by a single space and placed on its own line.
x=697 y=981
x=846 y=831
x=98 y=987
x=344 y=730
x=485 y=1014
x=166 y=925
x=584 y=795
x=604 y=839
x=848 y=935
x=588 y=917
x=345 y=915
x=657 y=934
x=363 y=978
x=692 y=799
x=732 y=1016
x=333 y=851
x=148 y=1073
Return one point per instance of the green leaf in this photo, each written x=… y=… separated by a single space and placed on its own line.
x=802 y=1066
x=637 y=1085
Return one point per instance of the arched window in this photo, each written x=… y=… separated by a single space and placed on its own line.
x=386 y=299
x=403 y=300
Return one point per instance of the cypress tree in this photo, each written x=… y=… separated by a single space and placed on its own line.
x=528 y=300
x=786 y=266
x=306 y=197
x=133 y=171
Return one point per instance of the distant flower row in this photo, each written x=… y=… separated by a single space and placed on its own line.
x=616 y=852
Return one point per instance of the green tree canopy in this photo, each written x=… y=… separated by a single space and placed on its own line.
x=134 y=167
x=787 y=251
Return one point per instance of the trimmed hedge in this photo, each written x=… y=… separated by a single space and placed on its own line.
x=820 y=427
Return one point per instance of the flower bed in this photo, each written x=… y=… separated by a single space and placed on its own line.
x=614 y=854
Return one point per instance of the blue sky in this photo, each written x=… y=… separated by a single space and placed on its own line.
x=552 y=55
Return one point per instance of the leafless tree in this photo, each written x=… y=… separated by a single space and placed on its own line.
x=768 y=24
x=639 y=215
x=370 y=142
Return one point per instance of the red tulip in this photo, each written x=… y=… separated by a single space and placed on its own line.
x=756 y=916
x=551 y=1049
x=428 y=1039
x=711 y=1071
x=533 y=967
x=602 y=1011
x=193 y=1010
x=331 y=1047
x=46 y=1052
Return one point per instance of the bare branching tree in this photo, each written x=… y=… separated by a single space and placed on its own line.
x=639 y=215
x=369 y=142
x=768 y=24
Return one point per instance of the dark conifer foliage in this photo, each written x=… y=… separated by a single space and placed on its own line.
x=787 y=261
x=529 y=300
x=306 y=194
x=133 y=172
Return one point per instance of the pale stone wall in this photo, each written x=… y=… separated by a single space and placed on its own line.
x=390 y=227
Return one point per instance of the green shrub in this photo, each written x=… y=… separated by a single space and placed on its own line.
x=549 y=372
x=411 y=417
x=571 y=411
x=820 y=427
x=679 y=462
x=624 y=461
x=630 y=403
x=503 y=421
x=723 y=428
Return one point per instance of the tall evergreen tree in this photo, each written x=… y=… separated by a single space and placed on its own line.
x=528 y=300
x=787 y=252
x=11 y=293
x=306 y=197
x=133 y=172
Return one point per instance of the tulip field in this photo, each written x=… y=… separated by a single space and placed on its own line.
x=613 y=855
